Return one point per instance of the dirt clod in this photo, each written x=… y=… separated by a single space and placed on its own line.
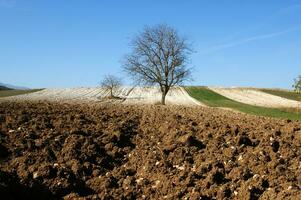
x=275 y=146
x=100 y=151
x=3 y=151
x=245 y=140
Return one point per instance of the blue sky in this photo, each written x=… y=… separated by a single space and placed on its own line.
x=69 y=43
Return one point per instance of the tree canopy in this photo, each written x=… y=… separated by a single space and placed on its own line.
x=159 y=57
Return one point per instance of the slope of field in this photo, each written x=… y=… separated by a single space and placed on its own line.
x=67 y=94
x=296 y=96
x=213 y=99
x=151 y=95
x=99 y=151
x=255 y=97
x=10 y=92
x=137 y=95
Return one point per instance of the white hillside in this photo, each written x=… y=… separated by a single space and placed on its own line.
x=255 y=97
x=137 y=95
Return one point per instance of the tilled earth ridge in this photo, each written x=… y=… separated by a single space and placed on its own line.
x=56 y=151
x=256 y=97
x=127 y=95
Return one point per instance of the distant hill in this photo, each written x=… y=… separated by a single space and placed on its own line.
x=4 y=86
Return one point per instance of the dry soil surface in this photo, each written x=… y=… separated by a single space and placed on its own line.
x=106 y=151
x=256 y=97
x=137 y=95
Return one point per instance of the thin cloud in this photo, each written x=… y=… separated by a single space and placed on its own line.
x=247 y=40
x=7 y=3
x=284 y=11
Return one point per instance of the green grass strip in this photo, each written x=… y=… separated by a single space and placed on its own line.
x=213 y=99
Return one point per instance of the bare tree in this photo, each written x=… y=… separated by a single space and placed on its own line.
x=159 y=57
x=112 y=84
x=297 y=84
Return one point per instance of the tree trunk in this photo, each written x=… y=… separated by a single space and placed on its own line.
x=164 y=91
x=163 y=98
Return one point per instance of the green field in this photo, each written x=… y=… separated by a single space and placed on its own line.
x=213 y=99
x=283 y=93
x=8 y=93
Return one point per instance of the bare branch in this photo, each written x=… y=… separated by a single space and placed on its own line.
x=112 y=84
x=297 y=84
x=159 y=56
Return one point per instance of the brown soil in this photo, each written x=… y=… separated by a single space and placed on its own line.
x=55 y=151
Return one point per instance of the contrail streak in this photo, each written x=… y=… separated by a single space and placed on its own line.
x=247 y=40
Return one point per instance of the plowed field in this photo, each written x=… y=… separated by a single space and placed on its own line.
x=108 y=151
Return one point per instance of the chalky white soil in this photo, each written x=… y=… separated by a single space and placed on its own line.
x=255 y=97
x=137 y=95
